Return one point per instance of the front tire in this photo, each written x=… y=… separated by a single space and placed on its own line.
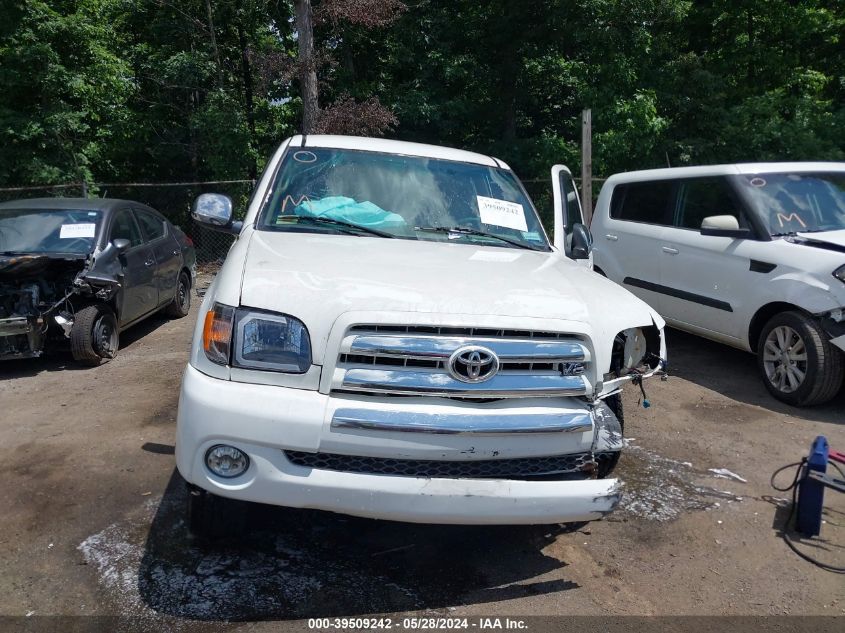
x=607 y=463
x=94 y=336
x=798 y=364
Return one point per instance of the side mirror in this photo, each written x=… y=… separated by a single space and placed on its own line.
x=214 y=211
x=121 y=245
x=582 y=242
x=723 y=226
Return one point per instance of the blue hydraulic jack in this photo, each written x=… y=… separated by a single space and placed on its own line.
x=811 y=484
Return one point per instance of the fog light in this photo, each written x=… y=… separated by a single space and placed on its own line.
x=226 y=461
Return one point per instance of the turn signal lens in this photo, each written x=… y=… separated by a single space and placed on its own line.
x=839 y=273
x=217 y=333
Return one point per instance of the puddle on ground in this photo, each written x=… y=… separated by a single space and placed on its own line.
x=661 y=489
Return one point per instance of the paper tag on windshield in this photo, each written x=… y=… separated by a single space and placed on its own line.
x=77 y=230
x=502 y=213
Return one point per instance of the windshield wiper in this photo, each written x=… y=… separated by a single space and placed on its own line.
x=465 y=230
x=314 y=219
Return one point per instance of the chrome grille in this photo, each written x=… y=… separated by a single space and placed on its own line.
x=558 y=466
x=413 y=360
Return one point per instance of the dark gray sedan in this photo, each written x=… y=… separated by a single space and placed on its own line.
x=80 y=271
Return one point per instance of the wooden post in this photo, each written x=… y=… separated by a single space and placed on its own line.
x=84 y=189
x=587 y=165
x=307 y=64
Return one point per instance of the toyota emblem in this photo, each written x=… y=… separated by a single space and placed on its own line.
x=473 y=363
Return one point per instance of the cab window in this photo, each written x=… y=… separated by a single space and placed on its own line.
x=124 y=227
x=647 y=202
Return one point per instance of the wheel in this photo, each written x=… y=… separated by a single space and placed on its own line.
x=181 y=304
x=94 y=335
x=608 y=462
x=798 y=364
x=211 y=517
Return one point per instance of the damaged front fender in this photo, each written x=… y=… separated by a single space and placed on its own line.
x=39 y=294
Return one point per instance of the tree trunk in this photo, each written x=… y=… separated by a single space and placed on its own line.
x=214 y=44
x=307 y=65
x=246 y=72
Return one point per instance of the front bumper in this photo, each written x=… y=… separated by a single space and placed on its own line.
x=20 y=337
x=264 y=421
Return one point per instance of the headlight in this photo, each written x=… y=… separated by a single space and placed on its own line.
x=270 y=341
x=839 y=273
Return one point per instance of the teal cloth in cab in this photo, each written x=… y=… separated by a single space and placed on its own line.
x=347 y=210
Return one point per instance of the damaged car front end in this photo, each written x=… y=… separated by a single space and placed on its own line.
x=40 y=293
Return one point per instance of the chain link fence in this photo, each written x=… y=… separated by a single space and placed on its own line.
x=173 y=200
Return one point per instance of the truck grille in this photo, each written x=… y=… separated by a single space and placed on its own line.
x=557 y=466
x=414 y=360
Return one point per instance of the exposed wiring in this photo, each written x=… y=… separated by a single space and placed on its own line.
x=785 y=533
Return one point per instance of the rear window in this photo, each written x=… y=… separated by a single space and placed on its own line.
x=643 y=202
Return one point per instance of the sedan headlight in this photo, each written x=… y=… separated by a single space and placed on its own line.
x=839 y=273
x=270 y=341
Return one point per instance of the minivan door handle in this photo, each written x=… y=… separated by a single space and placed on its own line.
x=670 y=250
x=612 y=238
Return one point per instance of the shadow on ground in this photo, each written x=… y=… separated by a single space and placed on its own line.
x=302 y=563
x=734 y=373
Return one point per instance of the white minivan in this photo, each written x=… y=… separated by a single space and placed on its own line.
x=393 y=335
x=751 y=255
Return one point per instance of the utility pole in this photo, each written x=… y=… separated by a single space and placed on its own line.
x=307 y=65
x=587 y=165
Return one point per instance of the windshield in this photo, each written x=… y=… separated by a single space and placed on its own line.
x=48 y=230
x=410 y=197
x=797 y=202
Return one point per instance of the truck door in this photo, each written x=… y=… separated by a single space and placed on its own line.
x=568 y=210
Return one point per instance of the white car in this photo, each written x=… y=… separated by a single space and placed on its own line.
x=393 y=336
x=749 y=255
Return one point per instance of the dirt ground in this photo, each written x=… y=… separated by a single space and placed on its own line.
x=93 y=519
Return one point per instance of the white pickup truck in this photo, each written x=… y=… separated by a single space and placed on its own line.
x=393 y=336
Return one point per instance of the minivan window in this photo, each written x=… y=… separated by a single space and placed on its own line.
x=797 y=202
x=703 y=197
x=643 y=202
x=410 y=197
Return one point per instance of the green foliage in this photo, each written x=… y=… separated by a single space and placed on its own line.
x=140 y=90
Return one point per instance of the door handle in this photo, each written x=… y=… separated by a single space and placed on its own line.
x=611 y=237
x=176 y=252
x=149 y=262
x=670 y=250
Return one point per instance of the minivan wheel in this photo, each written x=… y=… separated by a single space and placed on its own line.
x=798 y=364
x=211 y=518
x=181 y=304
x=94 y=336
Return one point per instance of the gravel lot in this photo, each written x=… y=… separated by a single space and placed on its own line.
x=93 y=521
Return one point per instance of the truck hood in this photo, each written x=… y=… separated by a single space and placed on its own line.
x=825 y=239
x=317 y=278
